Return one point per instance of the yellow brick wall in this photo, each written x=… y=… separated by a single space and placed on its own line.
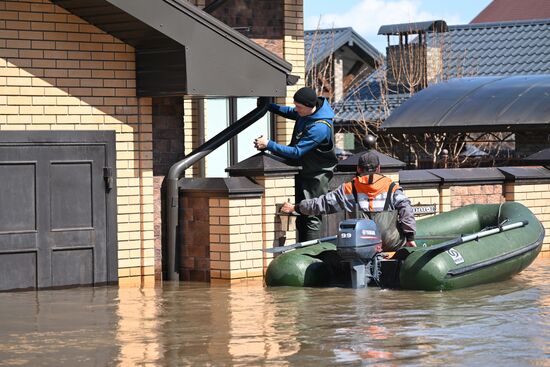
x=193 y=109
x=58 y=72
x=235 y=238
x=537 y=198
x=424 y=196
x=445 y=199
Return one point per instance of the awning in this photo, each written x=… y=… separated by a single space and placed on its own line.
x=477 y=104
x=181 y=50
x=540 y=157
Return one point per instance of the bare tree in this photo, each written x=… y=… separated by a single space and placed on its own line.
x=408 y=68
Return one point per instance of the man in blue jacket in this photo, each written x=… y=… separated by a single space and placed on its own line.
x=312 y=147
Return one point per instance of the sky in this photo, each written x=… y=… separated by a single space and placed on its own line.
x=366 y=16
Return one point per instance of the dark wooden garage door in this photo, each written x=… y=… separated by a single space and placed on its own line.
x=57 y=218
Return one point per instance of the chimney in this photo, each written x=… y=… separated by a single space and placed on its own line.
x=411 y=64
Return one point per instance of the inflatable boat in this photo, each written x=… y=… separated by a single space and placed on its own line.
x=475 y=244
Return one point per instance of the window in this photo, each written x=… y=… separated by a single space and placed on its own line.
x=219 y=113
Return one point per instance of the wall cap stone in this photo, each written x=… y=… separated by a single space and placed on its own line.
x=233 y=187
x=418 y=178
x=263 y=164
x=387 y=163
x=520 y=174
x=468 y=176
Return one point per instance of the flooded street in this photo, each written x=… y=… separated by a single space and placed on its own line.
x=197 y=324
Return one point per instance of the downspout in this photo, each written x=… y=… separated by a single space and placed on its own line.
x=177 y=170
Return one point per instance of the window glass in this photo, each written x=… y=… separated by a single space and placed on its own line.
x=245 y=140
x=216 y=119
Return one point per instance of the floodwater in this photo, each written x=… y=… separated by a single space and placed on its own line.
x=196 y=324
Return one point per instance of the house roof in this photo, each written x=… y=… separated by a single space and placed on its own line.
x=365 y=101
x=321 y=43
x=367 y=109
x=181 y=50
x=509 y=10
x=490 y=49
x=506 y=103
x=510 y=48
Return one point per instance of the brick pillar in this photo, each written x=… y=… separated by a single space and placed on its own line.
x=236 y=239
x=535 y=196
x=220 y=229
x=276 y=178
x=530 y=186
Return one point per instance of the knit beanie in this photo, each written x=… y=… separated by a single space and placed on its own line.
x=306 y=96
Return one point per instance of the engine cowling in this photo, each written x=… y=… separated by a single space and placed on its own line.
x=358 y=239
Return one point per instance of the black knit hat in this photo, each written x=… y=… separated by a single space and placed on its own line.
x=306 y=96
x=369 y=161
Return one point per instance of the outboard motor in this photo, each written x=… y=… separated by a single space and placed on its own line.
x=359 y=241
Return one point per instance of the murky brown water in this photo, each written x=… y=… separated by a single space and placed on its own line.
x=502 y=324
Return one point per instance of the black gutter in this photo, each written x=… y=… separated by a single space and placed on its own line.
x=177 y=170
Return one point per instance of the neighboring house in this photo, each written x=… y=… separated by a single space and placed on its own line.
x=98 y=99
x=513 y=10
x=337 y=59
x=471 y=50
x=489 y=49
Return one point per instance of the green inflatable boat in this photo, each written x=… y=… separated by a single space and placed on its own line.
x=468 y=246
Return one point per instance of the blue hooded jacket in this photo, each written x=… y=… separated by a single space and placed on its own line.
x=309 y=132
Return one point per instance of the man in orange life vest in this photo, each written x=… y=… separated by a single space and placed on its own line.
x=374 y=193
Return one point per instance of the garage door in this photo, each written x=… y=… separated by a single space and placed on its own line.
x=57 y=218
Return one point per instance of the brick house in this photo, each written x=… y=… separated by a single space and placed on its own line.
x=510 y=10
x=338 y=58
x=97 y=100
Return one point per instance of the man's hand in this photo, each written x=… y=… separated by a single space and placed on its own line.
x=410 y=244
x=260 y=143
x=287 y=208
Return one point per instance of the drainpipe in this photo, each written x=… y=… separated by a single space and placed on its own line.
x=176 y=171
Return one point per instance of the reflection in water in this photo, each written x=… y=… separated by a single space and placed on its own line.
x=58 y=327
x=195 y=324
x=138 y=326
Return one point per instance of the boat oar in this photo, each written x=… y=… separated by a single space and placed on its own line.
x=276 y=250
x=474 y=236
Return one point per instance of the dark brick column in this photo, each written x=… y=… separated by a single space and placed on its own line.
x=167 y=150
x=260 y=20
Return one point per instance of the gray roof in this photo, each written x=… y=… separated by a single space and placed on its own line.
x=369 y=109
x=486 y=49
x=321 y=43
